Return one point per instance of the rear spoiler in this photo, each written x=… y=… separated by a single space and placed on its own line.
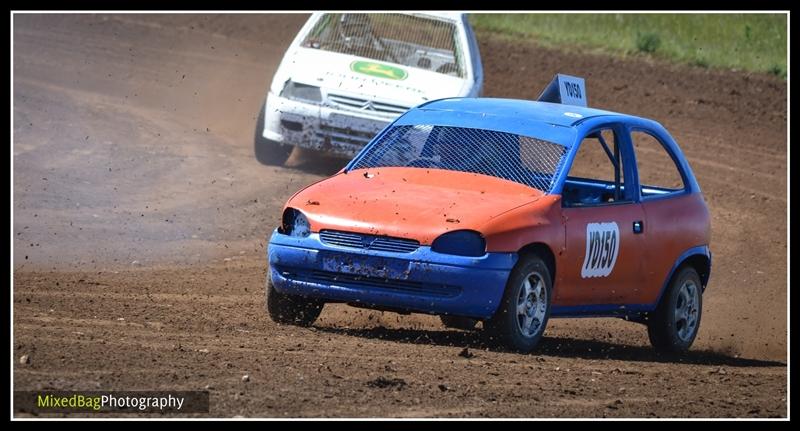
x=566 y=90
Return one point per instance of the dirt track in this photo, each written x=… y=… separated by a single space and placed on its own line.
x=137 y=197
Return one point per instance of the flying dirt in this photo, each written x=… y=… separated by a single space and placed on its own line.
x=141 y=218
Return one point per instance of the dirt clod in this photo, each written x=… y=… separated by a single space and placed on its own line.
x=465 y=353
x=386 y=382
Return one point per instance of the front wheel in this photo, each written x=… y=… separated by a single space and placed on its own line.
x=268 y=152
x=292 y=309
x=673 y=326
x=522 y=316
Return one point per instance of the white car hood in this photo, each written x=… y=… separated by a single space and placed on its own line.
x=334 y=74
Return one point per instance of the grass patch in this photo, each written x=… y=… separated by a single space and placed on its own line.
x=752 y=42
x=647 y=42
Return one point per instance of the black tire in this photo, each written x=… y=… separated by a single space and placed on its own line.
x=506 y=325
x=670 y=330
x=269 y=152
x=292 y=309
x=459 y=322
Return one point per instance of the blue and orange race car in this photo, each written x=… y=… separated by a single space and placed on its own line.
x=507 y=212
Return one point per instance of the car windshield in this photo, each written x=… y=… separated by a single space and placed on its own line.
x=407 y=40
x=522 y=159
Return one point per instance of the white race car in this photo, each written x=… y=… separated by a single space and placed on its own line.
x=347 y=75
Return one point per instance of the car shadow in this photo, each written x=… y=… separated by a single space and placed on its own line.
x=552 y=346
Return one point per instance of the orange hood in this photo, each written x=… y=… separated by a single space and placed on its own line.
x=417 y=203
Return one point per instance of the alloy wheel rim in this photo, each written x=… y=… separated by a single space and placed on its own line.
x=687 y=310
x=531 y=305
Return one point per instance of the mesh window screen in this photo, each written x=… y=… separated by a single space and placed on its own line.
x=521 y=159
x=412 y=41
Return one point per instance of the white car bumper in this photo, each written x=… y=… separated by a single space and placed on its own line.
x=337 y=131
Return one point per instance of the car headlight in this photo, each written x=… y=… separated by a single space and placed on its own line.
x=461 y=243
x=295 y=223
x=296 y=91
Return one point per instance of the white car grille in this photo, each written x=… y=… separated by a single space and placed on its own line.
x=360 y=104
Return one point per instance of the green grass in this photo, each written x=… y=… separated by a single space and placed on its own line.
x=752 y=42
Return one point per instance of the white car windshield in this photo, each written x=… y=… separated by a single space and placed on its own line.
x=413 y=41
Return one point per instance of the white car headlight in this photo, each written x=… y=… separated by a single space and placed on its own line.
x=295 y=91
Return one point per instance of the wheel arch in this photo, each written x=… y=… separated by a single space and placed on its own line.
x=698 y=258
x=701 y=264
x=546 y=253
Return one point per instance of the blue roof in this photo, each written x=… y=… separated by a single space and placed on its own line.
x=554 y=113
x=549 y=121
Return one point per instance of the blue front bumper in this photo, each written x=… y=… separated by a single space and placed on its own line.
x=421 y=281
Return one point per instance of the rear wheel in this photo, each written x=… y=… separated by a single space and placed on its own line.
x=459 y=322
x=292 y=309
x=673 y=326
x=522 y=316
x=268 y=152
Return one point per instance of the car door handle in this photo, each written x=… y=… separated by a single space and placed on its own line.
x=638 y=226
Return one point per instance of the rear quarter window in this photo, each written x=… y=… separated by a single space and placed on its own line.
x=658 y=172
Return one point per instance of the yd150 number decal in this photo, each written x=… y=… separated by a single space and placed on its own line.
x=602 y=248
